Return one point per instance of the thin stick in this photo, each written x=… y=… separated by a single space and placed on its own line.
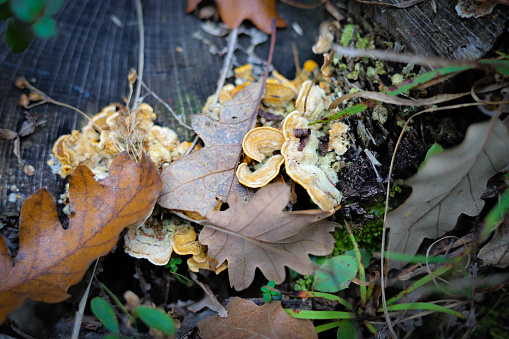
x=403 y=58
x=168 y=107
x=81 y=308
x=141 y=50
x=226 y=64
x=193 y=145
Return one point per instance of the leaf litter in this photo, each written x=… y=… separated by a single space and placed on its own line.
x=449 y=184
x=198 y=181
x=261 y=235
x=51 y=258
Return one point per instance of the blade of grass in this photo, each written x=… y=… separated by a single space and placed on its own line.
x=326 y=296
x=396 y=90
x=424 y=306
x=325 y=327
x=118 y=303
x=362 y=273
x=320 y=315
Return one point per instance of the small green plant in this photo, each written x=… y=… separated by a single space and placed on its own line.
x=173 y=264
x=303 y=284
x=27 y=19
x=345 y=321
x=152 y=317
x=270 y=292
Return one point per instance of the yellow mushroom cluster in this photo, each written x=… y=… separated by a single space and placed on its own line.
x=110 y=132
x=296 y=145
x=158 y=238
x=280 y=92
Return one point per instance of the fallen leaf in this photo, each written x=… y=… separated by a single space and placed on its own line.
x=7 y=134
x=335 y=274
x=199 y=180
x=247 y=320
x=259 y=234
x=450 y=183
x=233 y=12
x=209 y=299
x=496 y=251
x=50 y=258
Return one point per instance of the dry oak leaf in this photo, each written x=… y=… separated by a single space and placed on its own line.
x=450 y=183
x=51 y=258
x=233 y=12
x=496 y=251
x=248 y=320
x=259 y=234
x=199 y=180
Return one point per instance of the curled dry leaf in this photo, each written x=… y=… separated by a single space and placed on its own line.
x=449 y=184
x=233 y=12
x=50 y=258
x=496 y=252
x=259 y=234
x=199 y=180
x=247 y=320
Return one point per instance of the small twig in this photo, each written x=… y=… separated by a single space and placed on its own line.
x=193 y=145
x=305 y=6
x=168 y=107
x=83 y=303
x=47 y=99
x=427 y=61
x=226 y=64
x=404 y=4
x=141 y=50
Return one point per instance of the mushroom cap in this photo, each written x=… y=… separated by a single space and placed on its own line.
x=261 y=176
x=261 y=142
x=338 y=138
x=276 y=94
x=152 y=241
x=302 y=166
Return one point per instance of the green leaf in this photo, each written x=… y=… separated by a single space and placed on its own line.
x=155 y=318
x=335 y=273
x=271 y=284
x=15 y=39
x=27 y=10
x=435 y=148
x=105 y=313
x=5 y=11
x=347 y=329
x=267 y=297
x=53 y=7
x=45 y=28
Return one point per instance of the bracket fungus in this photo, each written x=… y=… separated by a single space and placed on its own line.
x=107 y=134
x=158 y=238
x=302 y=164
x=258 y=144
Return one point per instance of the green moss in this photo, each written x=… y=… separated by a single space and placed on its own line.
x=380 y=67
x=354 y=75
x=347 y=35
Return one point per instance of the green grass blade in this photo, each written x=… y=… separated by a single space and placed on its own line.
x=327 y=296
x=325 y=327
x=402 y=87
x=320 y=315
x=424 y=306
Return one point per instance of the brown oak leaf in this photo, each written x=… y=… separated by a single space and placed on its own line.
x=51 y=258
x=450 y=183
x=233 y=12
x=247 y=320
x=260 y=234
x=197 y=181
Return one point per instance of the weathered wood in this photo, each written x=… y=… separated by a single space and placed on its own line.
x=86 y=66
x=442 y=33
